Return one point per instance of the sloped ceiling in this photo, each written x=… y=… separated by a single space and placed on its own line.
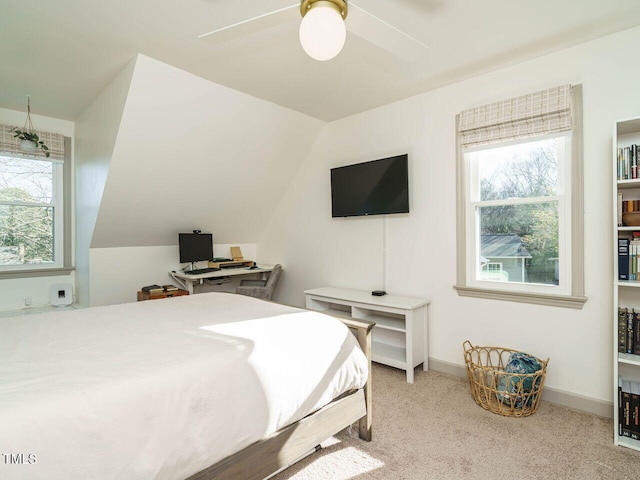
x=190 y=154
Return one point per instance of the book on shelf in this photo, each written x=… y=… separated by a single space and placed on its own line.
x=628 y=331
x=622 y=330
x=628 y=408
x=634 y=414
x=630 y=324
x=635 y=349
x=620 y=407
x=170 y=288
x=619 y=209
x=626 y=411
x=628 y=162
x=634 y=253
x=623 y=258
x=629 y=257
x=153 y=289
x=629 y=206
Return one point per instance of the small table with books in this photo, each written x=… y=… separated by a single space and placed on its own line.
x=155 y=292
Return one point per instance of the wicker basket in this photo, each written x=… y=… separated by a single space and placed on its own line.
x=508 y=394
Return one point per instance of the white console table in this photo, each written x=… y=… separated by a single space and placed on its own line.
x=400 y=331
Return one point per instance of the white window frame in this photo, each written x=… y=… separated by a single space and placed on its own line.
x=60 y=201
x=570 y=293
x=472 y=211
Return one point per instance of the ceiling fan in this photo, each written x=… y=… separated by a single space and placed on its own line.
x=323 y=29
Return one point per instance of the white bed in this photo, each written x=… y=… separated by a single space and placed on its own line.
x=162 y=389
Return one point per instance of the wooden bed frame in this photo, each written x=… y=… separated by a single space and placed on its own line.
x=292 y=443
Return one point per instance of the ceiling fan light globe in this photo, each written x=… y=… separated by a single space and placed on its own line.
x=322 y=33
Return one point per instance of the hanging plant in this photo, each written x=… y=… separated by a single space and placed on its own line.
x=29 y=140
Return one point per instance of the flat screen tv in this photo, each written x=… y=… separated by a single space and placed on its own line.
x=377 y=187
x=195 y=247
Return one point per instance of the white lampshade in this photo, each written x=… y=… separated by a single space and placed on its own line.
x=322 y=32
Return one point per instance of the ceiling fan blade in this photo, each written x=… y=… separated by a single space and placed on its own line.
x=253 y=25
x=384 y=35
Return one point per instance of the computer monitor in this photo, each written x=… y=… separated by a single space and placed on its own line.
x=195 y=247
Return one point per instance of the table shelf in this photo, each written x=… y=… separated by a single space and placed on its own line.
x=400 y=331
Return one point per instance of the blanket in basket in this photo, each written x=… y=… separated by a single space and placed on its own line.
x=519 y=362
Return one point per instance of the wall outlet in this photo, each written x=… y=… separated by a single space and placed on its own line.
x=61 y=294
x=27 y=301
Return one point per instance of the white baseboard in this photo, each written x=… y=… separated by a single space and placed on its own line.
x=549 y=394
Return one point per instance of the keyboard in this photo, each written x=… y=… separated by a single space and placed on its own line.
x=201 y=270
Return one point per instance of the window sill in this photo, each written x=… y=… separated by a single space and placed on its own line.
x=565 y=301
x=40 y=272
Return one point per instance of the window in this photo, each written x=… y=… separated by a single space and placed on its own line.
x=34 y=216
x=30 y=213
x=519 y=180
x=517 y=211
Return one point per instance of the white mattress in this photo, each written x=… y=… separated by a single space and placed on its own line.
x=162 y=389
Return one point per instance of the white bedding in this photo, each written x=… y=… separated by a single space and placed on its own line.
x=161 y=389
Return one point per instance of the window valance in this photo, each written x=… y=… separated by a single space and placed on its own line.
x=540 y=113
x=11 y=146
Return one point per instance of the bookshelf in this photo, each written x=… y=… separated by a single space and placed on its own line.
x=400 y=332
x=626 y=292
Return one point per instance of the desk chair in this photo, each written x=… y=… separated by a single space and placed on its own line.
x=260 y=288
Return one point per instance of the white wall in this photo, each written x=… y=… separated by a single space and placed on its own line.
x=14 y=291
x=192 y=154
x=118 y=273
x=318 y=250
x=96 y=132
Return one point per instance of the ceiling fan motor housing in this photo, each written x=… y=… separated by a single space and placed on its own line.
x=338 y=5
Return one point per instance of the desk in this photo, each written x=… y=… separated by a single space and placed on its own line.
x=190 y=280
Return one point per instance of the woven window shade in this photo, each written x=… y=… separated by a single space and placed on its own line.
x=11 y=146
x=539 y=113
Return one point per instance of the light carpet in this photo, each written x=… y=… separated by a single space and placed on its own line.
x=433 y=429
